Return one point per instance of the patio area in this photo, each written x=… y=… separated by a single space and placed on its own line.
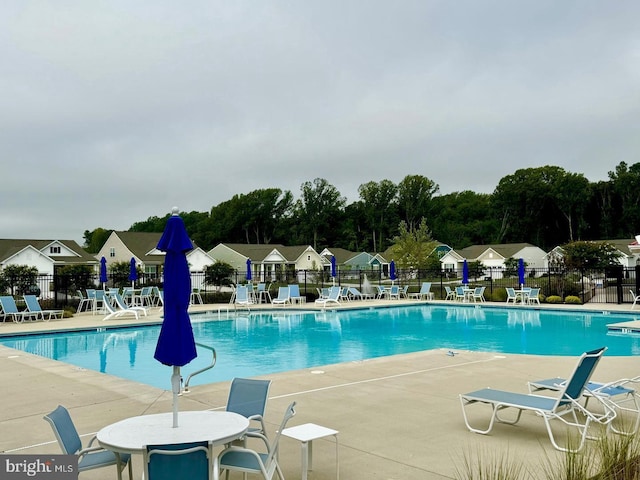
x=398 y=417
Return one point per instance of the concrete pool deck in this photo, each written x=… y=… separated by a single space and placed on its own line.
x=399 y=417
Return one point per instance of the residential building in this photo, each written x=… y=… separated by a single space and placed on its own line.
x=268 y=261
x=45 y=255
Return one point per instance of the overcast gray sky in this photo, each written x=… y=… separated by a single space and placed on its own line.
x=114 y=111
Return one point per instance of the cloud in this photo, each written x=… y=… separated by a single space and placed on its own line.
x=115 y=111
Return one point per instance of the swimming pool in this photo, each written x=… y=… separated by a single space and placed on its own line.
x=270 y=342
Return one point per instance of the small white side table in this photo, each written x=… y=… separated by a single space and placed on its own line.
x=306 y=434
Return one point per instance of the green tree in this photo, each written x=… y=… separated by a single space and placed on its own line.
x=218 y=274
x=76 y=277
x=571 y=193
x=589 y=255
x=412 y=246
x=625 y=183
x=464 y=218
x=380 y=207
x=119 y=272
x=318 y=209
x=17 y=278
x=511 y=267
x=95 y=239
x=415 y=193
x=541 y=205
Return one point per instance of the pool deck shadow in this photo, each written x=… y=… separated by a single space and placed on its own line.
x=399 y=417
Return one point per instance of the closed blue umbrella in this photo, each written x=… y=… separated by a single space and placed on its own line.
x=176 y=346
x=133 y=271
x=103 y=272
x=392 y=271
x=465 y=272
x=248 y=269
x=521 y=272
x=333 y=269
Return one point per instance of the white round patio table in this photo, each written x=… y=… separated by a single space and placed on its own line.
x=132 y=435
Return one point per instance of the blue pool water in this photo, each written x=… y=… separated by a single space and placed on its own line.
x=265 y=343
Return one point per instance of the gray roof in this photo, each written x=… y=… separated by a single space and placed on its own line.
x=258 y=252
x=507 y=250
x=10 y=247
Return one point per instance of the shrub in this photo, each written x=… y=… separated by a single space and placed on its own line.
x=573 y=300
x=554 y=299
x=498 y=295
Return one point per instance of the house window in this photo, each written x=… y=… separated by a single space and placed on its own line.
x=112 y=252
x=54 y=249
x=308 y=258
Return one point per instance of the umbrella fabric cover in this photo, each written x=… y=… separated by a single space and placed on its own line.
x=392 y=270
x=133 y=271
x=103 y=270
x=521 y=271
x=248 y=276
x=333 y=266
x=465 y=272
x=176 y=345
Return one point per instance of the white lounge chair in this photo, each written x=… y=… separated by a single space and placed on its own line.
x=636 y=298
x=242 y=297
x=10 y=309
x=334 y=297
x=567 y=403
x=283 y=297
x=356 y=294
x=424 y=293
x=622 y=394
x=119 y=308
x=34 y=306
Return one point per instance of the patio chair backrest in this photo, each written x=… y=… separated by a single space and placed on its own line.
x=426 y=286
x=182 y=460
x=581 y=375
x=274 y=444
x=248 y=397
x=64 y=430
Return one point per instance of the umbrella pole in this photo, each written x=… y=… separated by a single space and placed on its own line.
x=175 y=387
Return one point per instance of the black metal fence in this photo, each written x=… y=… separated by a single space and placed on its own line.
x=612 y=285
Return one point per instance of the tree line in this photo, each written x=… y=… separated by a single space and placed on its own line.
x=545 y=206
